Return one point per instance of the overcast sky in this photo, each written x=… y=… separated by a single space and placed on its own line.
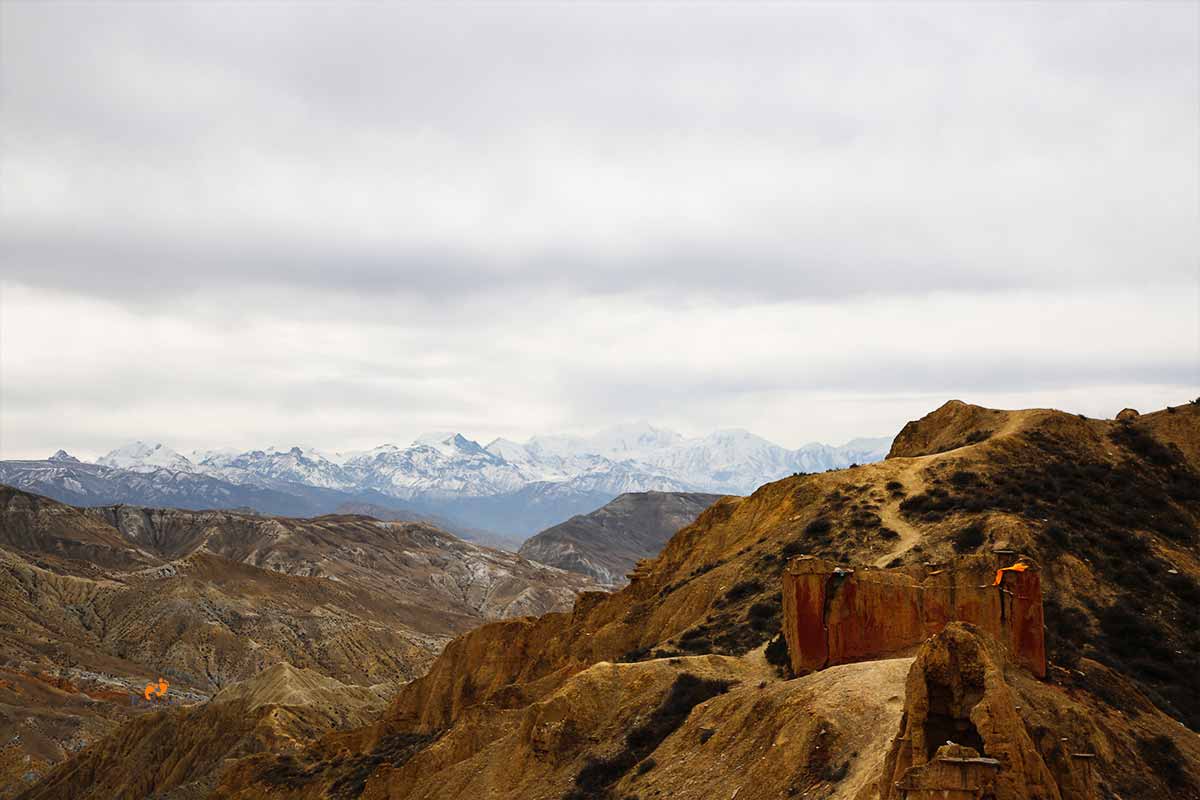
x=254 y=224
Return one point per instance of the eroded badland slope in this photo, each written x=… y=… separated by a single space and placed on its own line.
x=95 y=603
x=178 y=752
x=669 y=688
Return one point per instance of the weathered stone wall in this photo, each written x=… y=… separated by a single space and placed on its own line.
x=835 y=615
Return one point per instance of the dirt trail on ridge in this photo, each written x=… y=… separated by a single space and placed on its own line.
x=889 y=512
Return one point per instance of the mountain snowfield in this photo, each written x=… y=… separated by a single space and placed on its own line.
x=619 y=459
x=142 y=457
x=506 y=487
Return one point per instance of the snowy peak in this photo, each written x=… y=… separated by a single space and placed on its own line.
x=142 y=457
x=436 y=465
x=211 y=455
x=732 y=460
x=275 y=466
x=434 y=437
x=508 y=450
x=63 y=457
x=738 y=443
x=630 y=441
x=450 y=444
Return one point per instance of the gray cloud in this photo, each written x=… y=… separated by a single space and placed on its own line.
x=361 y=221
x=775 y=150
x=94 y=373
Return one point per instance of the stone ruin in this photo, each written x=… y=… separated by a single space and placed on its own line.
x=955 y=772
x=837 y=615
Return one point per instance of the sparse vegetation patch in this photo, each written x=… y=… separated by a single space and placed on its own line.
x=593 y=782
x=970 y=538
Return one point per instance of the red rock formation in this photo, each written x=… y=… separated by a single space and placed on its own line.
x=834 y=615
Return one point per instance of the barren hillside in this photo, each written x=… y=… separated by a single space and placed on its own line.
x=674 y=686
x=94 y=603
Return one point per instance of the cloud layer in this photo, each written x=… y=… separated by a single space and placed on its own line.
x=341 y=224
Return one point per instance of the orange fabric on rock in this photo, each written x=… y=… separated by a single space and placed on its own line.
x=1020 y=566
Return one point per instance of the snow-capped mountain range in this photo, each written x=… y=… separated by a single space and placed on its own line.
x=506 y=487
x=626 y=458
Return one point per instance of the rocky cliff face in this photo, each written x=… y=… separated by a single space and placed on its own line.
x=607 y=543
x=594 y=702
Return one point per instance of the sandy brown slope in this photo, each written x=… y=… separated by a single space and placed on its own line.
x=606 y=543
x=105 y=600
x=178 y=751
x=1109 y=509
x=417 y=565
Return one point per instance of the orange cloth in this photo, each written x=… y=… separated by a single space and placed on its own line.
x=1020 y=566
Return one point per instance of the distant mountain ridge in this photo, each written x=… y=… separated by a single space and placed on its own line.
x=607 y=543
x=506 y=487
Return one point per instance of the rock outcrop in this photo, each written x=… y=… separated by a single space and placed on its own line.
x=836 y=615
x=956 y=695
x=953 y=425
